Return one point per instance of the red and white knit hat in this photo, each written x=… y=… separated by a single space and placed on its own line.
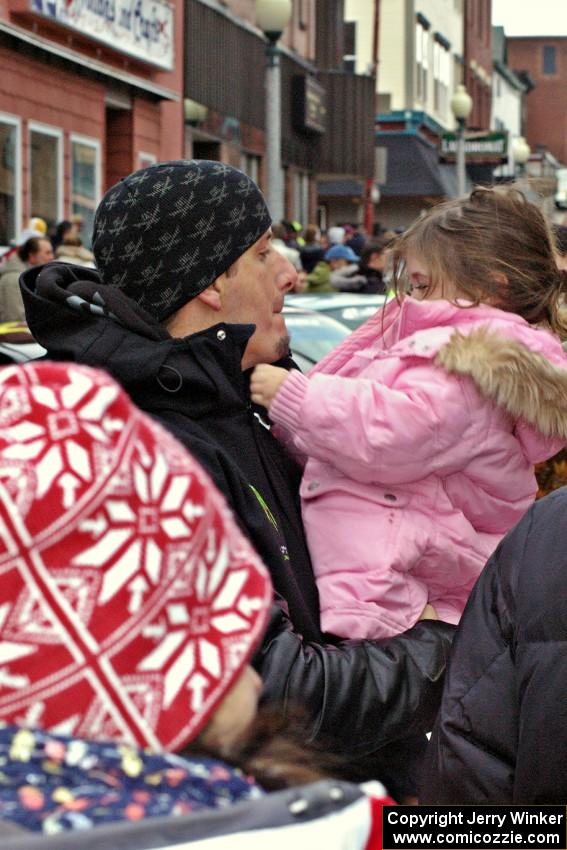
x=129 y=600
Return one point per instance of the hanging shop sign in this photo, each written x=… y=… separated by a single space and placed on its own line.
x=309 y=105
x=480 y=148
x=140 y=28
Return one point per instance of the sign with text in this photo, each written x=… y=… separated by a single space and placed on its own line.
x=480 y=148
x=140 y=28
x=474 y=827
x=309 y=105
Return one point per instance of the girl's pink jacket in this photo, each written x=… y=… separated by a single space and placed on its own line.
x=421 y=430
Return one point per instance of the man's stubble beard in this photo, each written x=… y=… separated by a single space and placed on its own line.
x=282 y=347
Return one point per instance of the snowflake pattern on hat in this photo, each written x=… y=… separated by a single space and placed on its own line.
x=129 y=600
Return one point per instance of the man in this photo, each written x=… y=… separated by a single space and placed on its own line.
x=345 y=275
x=189 y=298
x=33 y=252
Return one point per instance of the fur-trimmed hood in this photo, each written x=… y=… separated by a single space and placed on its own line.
x=522 y=382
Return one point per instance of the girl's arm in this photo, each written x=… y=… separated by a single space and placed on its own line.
x=370 y=431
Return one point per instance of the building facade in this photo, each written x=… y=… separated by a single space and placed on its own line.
x=478 y=61
x=509 y=92
x=545 y=59
x=327 y=110
x=88 y=93
x=419 y=64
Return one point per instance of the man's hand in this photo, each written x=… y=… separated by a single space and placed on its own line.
x=265 y=383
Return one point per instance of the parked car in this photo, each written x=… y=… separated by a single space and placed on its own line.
x=351 y=309
x=17 y=345
x=312 y=334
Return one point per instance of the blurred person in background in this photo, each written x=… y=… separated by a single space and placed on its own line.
x=35 y=251
x=373 y=263
x=357 y=239
x=69 y=247
x=312 y=252
x=280 y=244
x=345 y=275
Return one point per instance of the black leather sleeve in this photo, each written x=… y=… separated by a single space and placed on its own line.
x=362 y=695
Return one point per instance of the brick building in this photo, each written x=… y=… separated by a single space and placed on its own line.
x=327 y=110
x=88 y=92
x=478 y=61
x=545 y=60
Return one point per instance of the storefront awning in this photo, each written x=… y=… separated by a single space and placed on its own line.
x=414 y=170
x=42 y=45
x=340 y=188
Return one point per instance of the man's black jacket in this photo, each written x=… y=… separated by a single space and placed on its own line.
x=361 y=695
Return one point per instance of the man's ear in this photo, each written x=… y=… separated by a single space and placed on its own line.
x=211 y=296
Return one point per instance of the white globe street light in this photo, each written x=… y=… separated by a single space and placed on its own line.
x=461 y=107
x=521 y=153
x=272 y=16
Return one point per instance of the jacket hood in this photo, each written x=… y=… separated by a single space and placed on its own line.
x=74 y=316
x=522 y=382
x=520 y=367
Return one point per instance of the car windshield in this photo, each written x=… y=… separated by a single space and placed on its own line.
x=312 y=335
x=352 y=316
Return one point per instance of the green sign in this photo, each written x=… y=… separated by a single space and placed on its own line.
x=480 y=148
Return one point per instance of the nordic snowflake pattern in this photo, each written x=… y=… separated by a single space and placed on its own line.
x=129 y=601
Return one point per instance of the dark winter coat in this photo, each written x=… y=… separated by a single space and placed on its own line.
x=501 y=733
x=361 y=695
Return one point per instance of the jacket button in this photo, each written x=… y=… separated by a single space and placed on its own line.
x=298 y=807
x=312 y=485
x=221 y=335
x=390 y=497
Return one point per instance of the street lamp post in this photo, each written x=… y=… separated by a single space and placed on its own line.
x=461 y=106
x=521 y=153
x=272 y=17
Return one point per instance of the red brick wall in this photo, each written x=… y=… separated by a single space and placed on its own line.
x=547 y=104
x=33 y=91
x=478 y=49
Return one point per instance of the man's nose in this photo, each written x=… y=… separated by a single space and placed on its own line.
x=287 y=278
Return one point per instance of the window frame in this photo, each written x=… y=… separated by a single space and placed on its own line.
x=544 y=53
x=16 y=121
x=56 y=133
x=93 y=142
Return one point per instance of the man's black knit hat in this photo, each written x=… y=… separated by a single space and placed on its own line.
x=165 y=233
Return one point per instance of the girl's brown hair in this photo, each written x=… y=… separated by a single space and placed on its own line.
x=494 y=246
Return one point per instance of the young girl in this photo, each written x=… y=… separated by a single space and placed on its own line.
x=422 y=428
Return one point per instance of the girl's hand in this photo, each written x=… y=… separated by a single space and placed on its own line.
x=265 y=383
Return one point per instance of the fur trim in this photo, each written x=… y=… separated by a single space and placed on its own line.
x=520 y=381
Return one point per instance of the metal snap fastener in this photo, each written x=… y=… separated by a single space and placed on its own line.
x=312 y=485
x=390 y=497
x=336 y=793
x=297 y=807
x=221 y=335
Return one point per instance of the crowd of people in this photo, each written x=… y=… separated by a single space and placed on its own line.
x=200 y=528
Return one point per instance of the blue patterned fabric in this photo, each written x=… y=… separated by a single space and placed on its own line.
x=50 y=783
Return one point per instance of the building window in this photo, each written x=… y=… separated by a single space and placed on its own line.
x=250 y=165
x=441 y=77
x=422 y=60
x=10 y=170
x=301 y=198
x=46 y=173
x=85 y=181
x=549 y=59
x=349 y=58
